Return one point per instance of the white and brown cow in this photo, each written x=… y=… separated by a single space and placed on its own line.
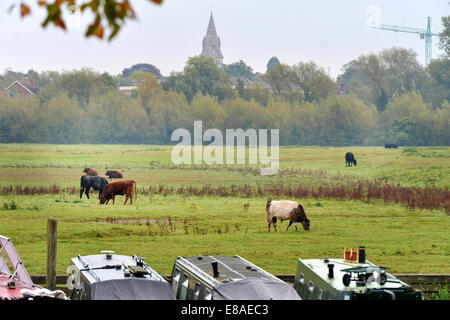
x=286 y=210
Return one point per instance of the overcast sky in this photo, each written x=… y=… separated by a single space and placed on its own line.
x=329 y=32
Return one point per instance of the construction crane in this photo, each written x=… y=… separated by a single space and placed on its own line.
x=424 y=34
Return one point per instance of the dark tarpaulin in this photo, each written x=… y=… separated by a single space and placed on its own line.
x=254 y=289
x=131 y=289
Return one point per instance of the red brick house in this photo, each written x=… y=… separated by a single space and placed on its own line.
x=21 y=88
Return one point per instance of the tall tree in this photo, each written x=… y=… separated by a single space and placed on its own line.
x=436 y=87
x=84 y=84
x=272 y=63
x=201 y=74
x=258 y=92
x=313 y=80
x=145 y=67
x=148 y=87
x=239 y=69
x=63 y=123
x=115 y=118
x=407 y=120
x=280 y=79
x=369 y=68
x=403 y=72
x=390 y=73
x=444 y=36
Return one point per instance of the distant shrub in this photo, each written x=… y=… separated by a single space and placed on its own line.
x=12 y=205
x=409 y=150
x=442 y=294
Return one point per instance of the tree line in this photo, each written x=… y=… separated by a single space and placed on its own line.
x=382 y=98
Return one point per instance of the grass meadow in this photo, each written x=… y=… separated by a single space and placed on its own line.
x=396 y=202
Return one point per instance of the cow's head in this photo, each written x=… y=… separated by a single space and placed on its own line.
x=299 y=215
x=86 y=170
x=354 y=162
x=306 y=224
x=102 y=199
x=107 y=173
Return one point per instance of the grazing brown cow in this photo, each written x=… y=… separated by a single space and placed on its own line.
x=90 y=172
x=124 y=187
x=113 y=174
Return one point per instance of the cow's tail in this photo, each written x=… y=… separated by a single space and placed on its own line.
x=267 y=210
x=268 y=204
x=81 y=187
x=81 y=181
x=135 y=190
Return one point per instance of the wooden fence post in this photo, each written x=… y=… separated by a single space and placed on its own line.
x=51 y=253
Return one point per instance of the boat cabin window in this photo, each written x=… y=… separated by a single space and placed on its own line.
x=175 y=279
x=301 y=279
x=197 y=291
x=184 y=287
x=207 y=294
x=310 y=287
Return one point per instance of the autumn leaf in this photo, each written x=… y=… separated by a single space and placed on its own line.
x=98 y=32
x=60 y=23
x=24 y=10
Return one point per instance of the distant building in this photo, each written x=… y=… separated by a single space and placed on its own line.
x=211 y=43
x=127 y=90
x=128 y=86
x=342 y=88
x=245 y=81
x=259 y=80
x=21 y=88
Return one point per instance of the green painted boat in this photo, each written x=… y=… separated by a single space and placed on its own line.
x=334 y=279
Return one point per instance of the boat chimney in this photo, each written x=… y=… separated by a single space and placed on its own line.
x=108 y=254
x=331 y=270
x=215 y=269
x=362 y=255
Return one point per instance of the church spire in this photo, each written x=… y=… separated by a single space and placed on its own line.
x=211 y=42
x=211 y=26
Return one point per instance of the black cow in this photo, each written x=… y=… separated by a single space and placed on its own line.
x=390 y=146
x=349 y=159
x=113 y=174
x=94 y=182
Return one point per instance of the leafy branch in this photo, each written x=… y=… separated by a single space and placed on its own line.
x=108 y=14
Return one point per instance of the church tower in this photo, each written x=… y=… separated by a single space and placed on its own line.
x=211 y=43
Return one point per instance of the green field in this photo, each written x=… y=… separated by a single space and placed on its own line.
x=161 y=228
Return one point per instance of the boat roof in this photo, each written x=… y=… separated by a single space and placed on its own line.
x=230 y=268
x=254 y=289
x=97 y=268
x=320 y=268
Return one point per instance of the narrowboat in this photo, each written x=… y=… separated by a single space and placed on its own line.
x=15 y=282
x=350 y=278
x=110 y=276
x=217 y=277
